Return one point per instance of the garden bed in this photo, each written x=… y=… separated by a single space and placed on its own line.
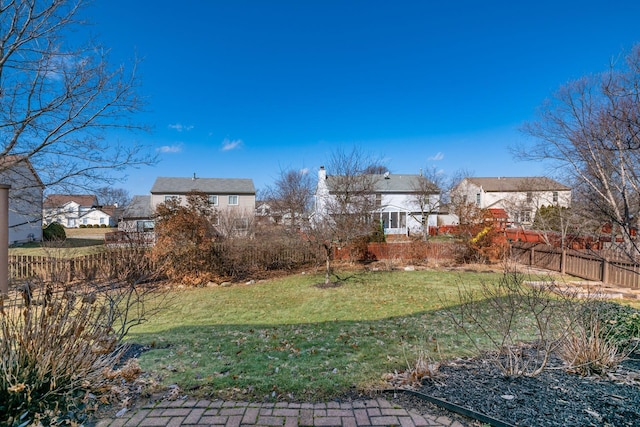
x=553 y=398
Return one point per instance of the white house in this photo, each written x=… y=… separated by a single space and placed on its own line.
x=67 y=209
x=25 y=199
x=404 y=204
x=519 y=197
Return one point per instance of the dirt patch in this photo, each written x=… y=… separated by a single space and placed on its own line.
x=554 y=398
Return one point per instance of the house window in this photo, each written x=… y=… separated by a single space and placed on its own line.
x=71 y=222
x=233 y=200
x=85 y=221
x=529 y=197
x=478 y=199
x=144 y=226
x=525 y=216
x=102 y=220
x=168 y=198
x=213 y=200
x=555 y=197
x=378 y=200
x=394 y=219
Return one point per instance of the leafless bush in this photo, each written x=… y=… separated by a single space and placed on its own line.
x=504 y=319
x=587 y=351
x=60 y=342
x=605 y=334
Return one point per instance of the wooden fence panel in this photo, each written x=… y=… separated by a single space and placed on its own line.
x=589 y=266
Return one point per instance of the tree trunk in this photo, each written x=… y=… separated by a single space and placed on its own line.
x=327 y=273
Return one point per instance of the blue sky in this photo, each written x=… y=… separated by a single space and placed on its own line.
x=247 y=88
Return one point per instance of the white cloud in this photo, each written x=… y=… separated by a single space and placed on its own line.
x=228 y=144
x=304 y=171
x=180 y=127
x=438 y=156
x=170 y=149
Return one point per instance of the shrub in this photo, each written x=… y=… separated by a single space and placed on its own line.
x=54 y=232
x=502 y=317
x=83 y=225
x=59 y=346
x=604 y=334
x=103 y=225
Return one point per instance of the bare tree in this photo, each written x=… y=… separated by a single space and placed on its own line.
x=290 y=197
x=58 y=99
x=113 y=196
x=428 y=196
x=590 y=130
x=345 y=202
x=230 y=223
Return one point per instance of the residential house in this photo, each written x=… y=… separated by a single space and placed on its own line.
x=234 y=199
x=69 y=209
x=402 y=203
x=517 y=197
x=104 y=216
x=25 y=199
x=137 y=215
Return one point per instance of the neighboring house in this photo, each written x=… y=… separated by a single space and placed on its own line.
x=234 y=200
x=25 y=199
x=137 y=215
x=518 y=197
x=68 y=209
x=397 y=201
x=106 y=216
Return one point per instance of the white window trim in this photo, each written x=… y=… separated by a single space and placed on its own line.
x=236 y=202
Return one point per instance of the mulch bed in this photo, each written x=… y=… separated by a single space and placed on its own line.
x=553 y=398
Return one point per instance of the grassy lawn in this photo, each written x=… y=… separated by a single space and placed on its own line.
x=79 y=241
x=288 y=338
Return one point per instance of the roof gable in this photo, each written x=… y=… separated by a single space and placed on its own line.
x=518 y=184
x=167 y=185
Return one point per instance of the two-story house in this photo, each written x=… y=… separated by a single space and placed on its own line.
x=518 y=197
x=232 y=198
x=68 y=209
x=25 y=199
x=403 y=203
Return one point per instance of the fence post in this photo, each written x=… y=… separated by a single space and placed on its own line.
x=532 y=256
x=604 y=274
x=563 y=261
x=4 y=238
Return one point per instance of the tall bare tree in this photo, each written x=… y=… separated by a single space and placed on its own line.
x=345 y=202
x=113 y=196
x=58 y=98
x=590 y=130
x=290 y=197
x=428 y=195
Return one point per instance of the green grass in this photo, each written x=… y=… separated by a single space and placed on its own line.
x=79 y=241
x=289 y=338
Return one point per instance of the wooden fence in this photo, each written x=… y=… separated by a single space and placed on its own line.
x=592 y=265
x=104 y=265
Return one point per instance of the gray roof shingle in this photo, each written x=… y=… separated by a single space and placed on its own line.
x=391 y=183
x=140 y=207
x=518 y=184
x=166 y=185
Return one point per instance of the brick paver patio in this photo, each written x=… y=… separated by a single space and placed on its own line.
x=205 y=413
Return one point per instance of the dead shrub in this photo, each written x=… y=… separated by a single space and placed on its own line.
x=516 y=325
x=586 y=351
x=605 y=334
x=58 y=344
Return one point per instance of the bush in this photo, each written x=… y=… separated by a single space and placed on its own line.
x=54 y=232
x=83 y=225
x=103 y=225
x=52 y=353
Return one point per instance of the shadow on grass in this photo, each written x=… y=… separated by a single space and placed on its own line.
x=306 y=362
